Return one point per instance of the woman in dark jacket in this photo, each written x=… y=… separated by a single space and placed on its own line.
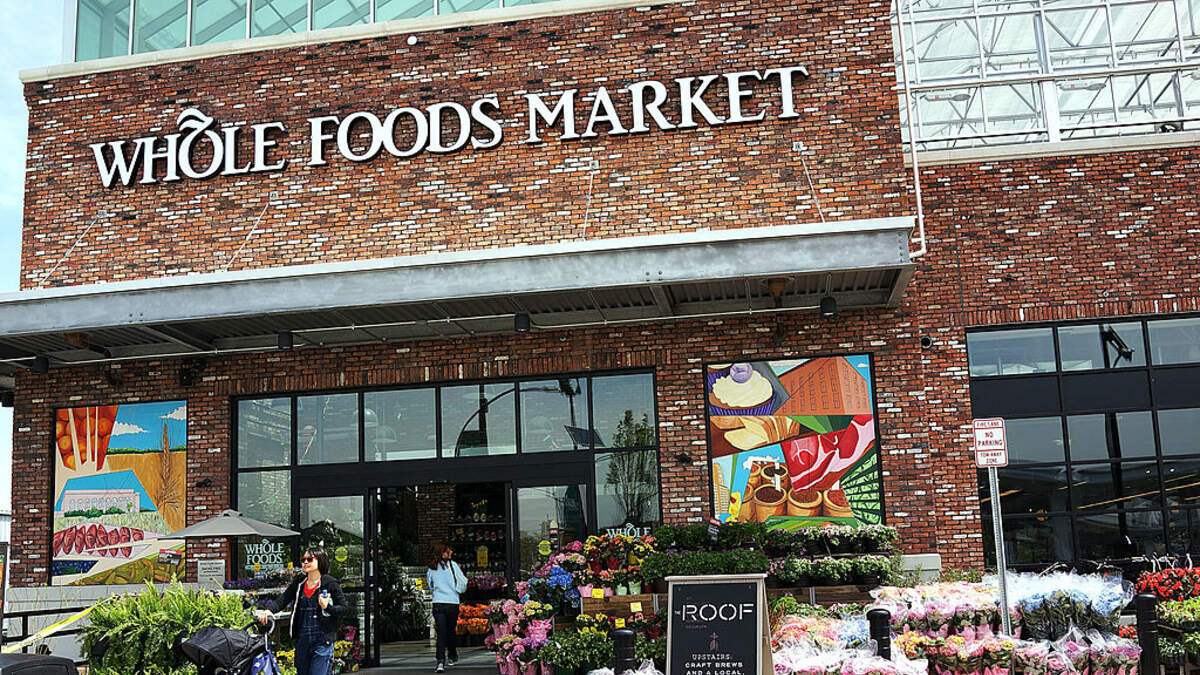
x=317 y=607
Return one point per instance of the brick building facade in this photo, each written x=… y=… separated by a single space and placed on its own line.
x=1060 y=237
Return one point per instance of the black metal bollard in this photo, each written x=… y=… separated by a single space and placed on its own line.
x=1146 y=606
x=879 y=622
x=623 y=651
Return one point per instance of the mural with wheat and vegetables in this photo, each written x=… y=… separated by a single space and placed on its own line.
x=119 y=486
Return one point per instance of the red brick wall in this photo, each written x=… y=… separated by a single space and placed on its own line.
x=710 y=177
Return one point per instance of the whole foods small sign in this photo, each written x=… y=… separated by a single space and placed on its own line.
x=202 y=147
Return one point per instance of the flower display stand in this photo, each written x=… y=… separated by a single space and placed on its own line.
x=619 y=605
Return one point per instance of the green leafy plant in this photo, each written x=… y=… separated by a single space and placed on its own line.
x=137 y=633
x=873 y=566
x=831 y=571
x=647 y=649
x=733 y=536
x=796 y=572
x=656 y=567
x=745 y=561
x=571 y=650
x=953 y=574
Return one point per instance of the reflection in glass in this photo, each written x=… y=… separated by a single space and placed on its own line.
x=389 y=10
x=400 y=424
x=159 y=24
x=218 y=21
x=452 y=6
x=1101 y=346
x=264 y=432
x=1181 y=481
x=479 y=419
x=336 y=525
x=1110 y=485
x=277 y=17
x=327 y=428
x=627 y=489
x=1032 y=489
x=335 y=13
x=101 y=29
x=1088 y=437
x=1035 y=439
x=1177 y=431
x=623 y=414
x=1120 y=535
x=1031 y=540
x=1111 y=435
x=1175 y=341
x=554 y=415
x=266 y=496
x=1011 y=352
x=1183 y=531
x=545 y=509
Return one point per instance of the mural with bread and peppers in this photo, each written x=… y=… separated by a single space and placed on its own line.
x=793 y=442
x=119 y=485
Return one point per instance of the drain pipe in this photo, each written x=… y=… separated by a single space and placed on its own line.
x=912 y=134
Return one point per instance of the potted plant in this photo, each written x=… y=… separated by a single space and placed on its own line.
x=633 y=579
x=877 y=538
x=830 y=572
x=779 y=543
x=1171 y=652
x=621 y=582
x=796 y=572
x=869 y=570
x=655 y=568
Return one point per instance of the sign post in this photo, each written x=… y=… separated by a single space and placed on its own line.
x=991 y=451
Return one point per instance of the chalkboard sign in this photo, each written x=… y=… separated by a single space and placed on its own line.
x=718 y=626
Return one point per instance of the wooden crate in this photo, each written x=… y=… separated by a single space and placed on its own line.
x=619 y=605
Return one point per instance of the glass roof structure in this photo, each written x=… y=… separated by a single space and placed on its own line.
x=980 y=72
x=987 y=72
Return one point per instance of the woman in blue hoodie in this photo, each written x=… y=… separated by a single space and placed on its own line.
x=446 y=581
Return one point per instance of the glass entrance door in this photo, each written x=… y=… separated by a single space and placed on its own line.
x=338 y=525
x=554 y=513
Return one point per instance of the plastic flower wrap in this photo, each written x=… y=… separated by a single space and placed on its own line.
x=1050 y=605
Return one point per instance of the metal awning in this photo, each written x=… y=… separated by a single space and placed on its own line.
x=861 y=263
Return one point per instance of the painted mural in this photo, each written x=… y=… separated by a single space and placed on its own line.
x=793 y=442
x=119 y=486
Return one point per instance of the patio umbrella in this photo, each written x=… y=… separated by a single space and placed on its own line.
x=230 y=523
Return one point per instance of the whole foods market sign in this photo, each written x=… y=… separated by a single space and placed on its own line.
x=202 y=147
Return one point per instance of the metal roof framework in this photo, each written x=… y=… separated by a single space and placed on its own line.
x=861 y=263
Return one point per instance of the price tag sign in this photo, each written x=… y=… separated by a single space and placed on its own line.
x=635 y=607
x=598 y=593
x=991 y=446
x=620 y=623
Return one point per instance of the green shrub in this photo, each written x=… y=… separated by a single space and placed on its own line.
x=656 y=567
x=971 y=574
x=734 y=536
x=692 y=537
x=571 y=650
x=646 y=649
x=137 y=633
x=664 y=537
x=745 y=561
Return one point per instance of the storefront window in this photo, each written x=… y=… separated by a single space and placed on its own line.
x=1011 y=352
x=1031 y=541
x=218 y=21
x=1110 y=485
x=1183 y=533
x=554 y=513
x=264 y=432
x=1120 y=535
x=336 y=525
x=335 y=13
x=390 y=10
x=623 y=414
x=479 y=419
x=627 y=489
x=452 y=6
x=1030 y=489
x=159 y=24
x=1118 y=345
x=277 y=17
x=1036 y=439
x=1181 y=481
x=400 y=424
x=1177 y=431
x=266 y=496
x=554 y=415
x=1111 y=436
x=1175 y=341
x=327 y=429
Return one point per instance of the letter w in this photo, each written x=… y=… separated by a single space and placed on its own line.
x=120 y=164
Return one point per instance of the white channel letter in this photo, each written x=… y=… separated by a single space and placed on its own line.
x=230 y=167
x=262 y=144
x=565 y=108
x=607 y=116
x=692 y=101
x=343 y=136
x=488 y=123
x=786 y=88
x=389 y=132
x=318 y=137
x=168 y=153
x=641 y=107
x=435 y=127
x=737 y=95
x=120 y=166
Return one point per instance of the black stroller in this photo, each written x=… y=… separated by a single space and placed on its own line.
x=228 y=651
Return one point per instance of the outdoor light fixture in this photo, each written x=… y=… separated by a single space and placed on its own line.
x=6 y=399
x=203 y=483
x=683 y=458
x=41 y=365
x=521 y=323
x=828 y=307
x=286 y=339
